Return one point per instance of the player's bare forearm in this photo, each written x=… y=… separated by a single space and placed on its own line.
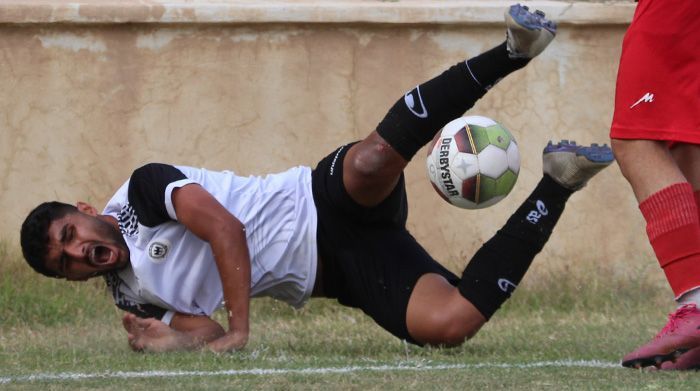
x=202 y=214
x=197 y=326
x=186 y=333
x=233 y=262
x=231 y=341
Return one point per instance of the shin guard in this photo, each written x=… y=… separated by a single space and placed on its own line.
x=673 y=228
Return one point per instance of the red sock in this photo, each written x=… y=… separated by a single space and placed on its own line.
x=673 y=226
x=697 y=202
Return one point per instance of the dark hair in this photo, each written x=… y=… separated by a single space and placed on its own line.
x=34 y=236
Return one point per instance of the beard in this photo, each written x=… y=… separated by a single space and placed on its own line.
x=111 y=239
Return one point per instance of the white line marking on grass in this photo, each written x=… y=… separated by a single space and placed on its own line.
x=65 y=376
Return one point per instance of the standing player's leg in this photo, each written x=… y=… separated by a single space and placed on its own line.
x=439 y=313
x=672 y=213
x=662 y=181
x=687 y=157
x=373 y=166
x=656 y=99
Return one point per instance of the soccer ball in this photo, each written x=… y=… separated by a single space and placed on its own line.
x=473 y=162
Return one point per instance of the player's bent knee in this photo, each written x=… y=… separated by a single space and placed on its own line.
x=366 y=164
x=370 y=160
x=374 y=157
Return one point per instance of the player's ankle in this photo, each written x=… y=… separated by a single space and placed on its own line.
x=690 y=297
x=489 y=67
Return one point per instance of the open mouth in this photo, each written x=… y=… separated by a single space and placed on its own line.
x=100 y=255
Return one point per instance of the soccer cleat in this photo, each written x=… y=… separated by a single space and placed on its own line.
x=679 y=337
x=527 y=33
x=689 y=360
x=573 y=165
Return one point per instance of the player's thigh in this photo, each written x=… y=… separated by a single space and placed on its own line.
x=647 y=165
x=687 y=156
x=376 y=269
x=438 y=314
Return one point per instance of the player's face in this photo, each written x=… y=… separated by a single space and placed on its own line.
x=83 y=245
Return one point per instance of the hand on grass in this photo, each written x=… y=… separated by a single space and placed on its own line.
x=229 y=342
x=150 y=334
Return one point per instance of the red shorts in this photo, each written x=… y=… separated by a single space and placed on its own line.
x=658 y=83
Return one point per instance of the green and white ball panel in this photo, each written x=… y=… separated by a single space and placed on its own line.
x=493 y=161
x=513 y=154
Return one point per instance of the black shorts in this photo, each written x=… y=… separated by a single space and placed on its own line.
x=369 y=260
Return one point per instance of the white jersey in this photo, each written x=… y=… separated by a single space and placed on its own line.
x=171 y=270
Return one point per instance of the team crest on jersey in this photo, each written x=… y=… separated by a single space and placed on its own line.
x=158 y=250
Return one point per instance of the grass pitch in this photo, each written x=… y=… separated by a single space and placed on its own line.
x=563 y=329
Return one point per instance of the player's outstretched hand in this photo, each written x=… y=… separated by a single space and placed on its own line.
x=229 y=342
x=149 y=334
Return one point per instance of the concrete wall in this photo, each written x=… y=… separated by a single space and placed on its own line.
x=92 y=89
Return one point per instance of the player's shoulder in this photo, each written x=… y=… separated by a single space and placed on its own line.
x=154 y=174
x=148 y=192
x=154 y=169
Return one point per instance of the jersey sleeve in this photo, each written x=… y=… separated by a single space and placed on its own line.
x=150 y=190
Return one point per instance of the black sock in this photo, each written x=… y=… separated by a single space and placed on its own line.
x=500 y=264
x=415 y=119
x=491 y=66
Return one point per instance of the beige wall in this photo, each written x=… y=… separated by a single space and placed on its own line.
x=85 y=102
